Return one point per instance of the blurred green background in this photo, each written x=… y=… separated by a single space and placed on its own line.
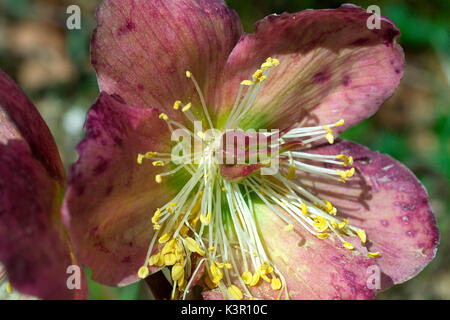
x=52 y=65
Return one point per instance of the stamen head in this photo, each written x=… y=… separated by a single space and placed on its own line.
x=235 y=292
x=362 y=236
x=143 y=272
x=164 y=117
x=276 y=284
x=177 y=104
x=186 y=107
x=9 y=288
x=348 y=245
x=188 y=74
x=247 y=83
x=247 y=277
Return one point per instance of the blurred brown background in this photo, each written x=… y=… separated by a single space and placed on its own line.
x=52 y=65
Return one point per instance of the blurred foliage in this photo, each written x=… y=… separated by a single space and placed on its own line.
x=52 y=64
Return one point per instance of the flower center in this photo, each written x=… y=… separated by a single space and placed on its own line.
x=209 y=228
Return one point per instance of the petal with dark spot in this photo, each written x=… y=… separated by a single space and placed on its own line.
x=142 y=49
x=111 y=198
x=389 y=203
x=312 y=268
x=331 y=67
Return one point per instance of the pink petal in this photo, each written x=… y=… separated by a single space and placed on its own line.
x=34 y=247
x=313 y=268
x=110 y=198
x=332 y=67
x=390 y=204
x=142 y=49
x=26 y=123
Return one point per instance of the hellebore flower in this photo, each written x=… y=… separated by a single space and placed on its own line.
x=34 y=247
x=312 y=230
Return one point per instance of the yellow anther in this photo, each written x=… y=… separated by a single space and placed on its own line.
x=156 y=227
x=339 y=123
x=322 y=235
x=289 y=227
x=211 y=249
x=190 y=243
x=276 y=284
x=320 y=224
x=211 y=284
x=168 y=247
x=154 y=259
x=188 y=74
x=235 y=292
x=164 y=238
x=262 y=78
x=350 y=172
x=247 y=277
x=255 y=279
x=329 y=137
x=177 y=272
x=228 y=265
x=140 y=157
x=347 y=160
x=177 y=104
x=304 y=208
x=343 y=224
x=291 y=173
x=265 y=278
x=274 y=61
x=346 y=174
x=205 y=219
x=342 y=174
x=143 y=272
x=266 y=65
x=155 y=218
x=9 y=288
x=219 y=264
x=329 y=208
x=373 y=254
x=158 y=163
x=223 y=189
x=258 y=73
x=173 y=204
x=150 y=154
x=362 y=236
x=247 y=83
x=193 y=246
x=164 y=117
x=216 y=273
x=170 y=259
x=348 y=245
x=186 y=107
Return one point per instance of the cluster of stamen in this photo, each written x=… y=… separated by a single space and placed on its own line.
x=209 y=227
